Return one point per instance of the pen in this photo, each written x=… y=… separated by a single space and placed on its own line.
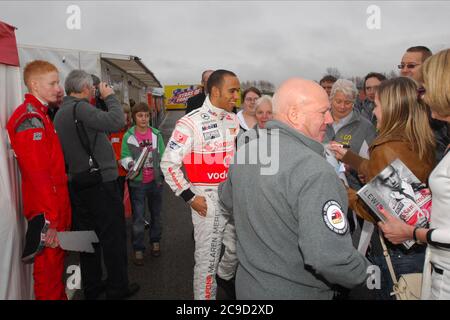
x=345 y=146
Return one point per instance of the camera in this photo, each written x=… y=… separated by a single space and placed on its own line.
x=99 y=102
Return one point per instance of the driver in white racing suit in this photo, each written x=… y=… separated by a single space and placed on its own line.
x=204 y=141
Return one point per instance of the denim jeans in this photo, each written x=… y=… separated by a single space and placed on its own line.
x=404 y=262
x=153 y=193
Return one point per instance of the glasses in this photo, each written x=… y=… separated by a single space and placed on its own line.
x=347 y=103
x=420 y=93
x=408 y=65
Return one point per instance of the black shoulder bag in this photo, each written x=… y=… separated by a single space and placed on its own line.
x=91 y=177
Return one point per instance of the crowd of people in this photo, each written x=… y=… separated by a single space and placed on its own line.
x=287 y=234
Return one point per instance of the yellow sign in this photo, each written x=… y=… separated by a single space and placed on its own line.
x=177 y=95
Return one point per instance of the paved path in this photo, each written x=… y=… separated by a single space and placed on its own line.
x=170 y=275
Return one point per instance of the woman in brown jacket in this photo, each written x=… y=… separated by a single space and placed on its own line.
x=436 y=280
x=404 y=133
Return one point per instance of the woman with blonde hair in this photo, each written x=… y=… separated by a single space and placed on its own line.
x=436 y=280
x=405 y=134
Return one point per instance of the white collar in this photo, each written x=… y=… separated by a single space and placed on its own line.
x=41 y=101
x=215 y=111
x=241 y=118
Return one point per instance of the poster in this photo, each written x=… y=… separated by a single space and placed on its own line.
x=177 y=95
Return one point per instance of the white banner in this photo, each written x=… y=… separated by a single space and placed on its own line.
x=15 y=277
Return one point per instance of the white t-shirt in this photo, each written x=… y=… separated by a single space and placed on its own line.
x=242 y=122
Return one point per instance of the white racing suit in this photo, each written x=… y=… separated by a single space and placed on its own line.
x=204 y=141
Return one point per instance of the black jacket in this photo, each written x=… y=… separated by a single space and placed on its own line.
x=195 y=102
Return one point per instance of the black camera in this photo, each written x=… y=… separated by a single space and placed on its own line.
x=99 y=102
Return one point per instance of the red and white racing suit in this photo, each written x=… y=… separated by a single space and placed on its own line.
x=44 y=187
x=204 y=141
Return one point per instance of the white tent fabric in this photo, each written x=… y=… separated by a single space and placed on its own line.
x=15 y=277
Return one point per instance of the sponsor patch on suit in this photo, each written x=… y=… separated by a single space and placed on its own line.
x=206 y=127
x=37 y=136
x=173 y=145
x=211 y=135
x=180 y=137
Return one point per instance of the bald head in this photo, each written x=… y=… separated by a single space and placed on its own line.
x=303 y=105
x=296 y=92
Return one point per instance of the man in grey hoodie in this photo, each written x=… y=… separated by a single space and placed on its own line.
x=98 y=207
x=293 y=240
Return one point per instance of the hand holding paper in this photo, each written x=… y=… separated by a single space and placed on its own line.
x=338 y=149
x=394 y=229
x=38 y=237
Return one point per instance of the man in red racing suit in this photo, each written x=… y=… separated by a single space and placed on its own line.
x=44 y=181
x=204 y=141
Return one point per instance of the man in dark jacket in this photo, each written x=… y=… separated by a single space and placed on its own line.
x=371 y=82
x=98 y=207
x=197 y=101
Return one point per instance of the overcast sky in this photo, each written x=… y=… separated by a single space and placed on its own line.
x=258 y=40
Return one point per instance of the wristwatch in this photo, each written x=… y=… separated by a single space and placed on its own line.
x=189 y=202
x=415 y=236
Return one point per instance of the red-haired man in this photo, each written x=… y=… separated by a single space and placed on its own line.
x=44 y=181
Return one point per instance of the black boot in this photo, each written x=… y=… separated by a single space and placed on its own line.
x=228 y=286
x=132 y=289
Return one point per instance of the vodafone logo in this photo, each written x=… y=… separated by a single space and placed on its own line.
x=217 y=175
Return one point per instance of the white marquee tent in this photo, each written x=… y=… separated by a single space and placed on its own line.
x=15 y=277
